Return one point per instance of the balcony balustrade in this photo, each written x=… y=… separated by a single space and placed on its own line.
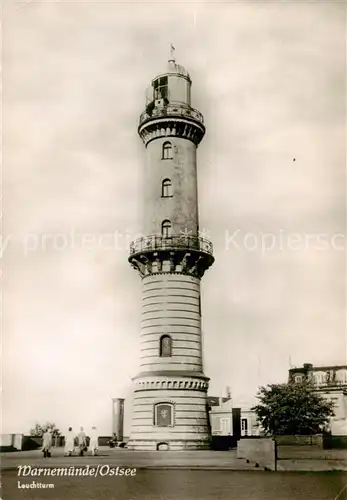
x=175 y=242
x=171 y=110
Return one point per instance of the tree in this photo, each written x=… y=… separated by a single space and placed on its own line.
x=293 y=408
x=39 y=429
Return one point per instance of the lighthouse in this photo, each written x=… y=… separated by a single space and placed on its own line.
x=170 y=390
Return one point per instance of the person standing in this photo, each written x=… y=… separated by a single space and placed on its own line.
x=69 y=443
x=82 y=441
x=93 y=445
x=47 y=443
x=113 y=440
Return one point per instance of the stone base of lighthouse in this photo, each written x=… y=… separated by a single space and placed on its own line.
x=184 y=398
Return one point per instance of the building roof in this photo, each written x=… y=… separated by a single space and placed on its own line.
x=173 y=68
x=215 y=400
x=310 y=367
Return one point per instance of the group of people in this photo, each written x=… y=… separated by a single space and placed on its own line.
x=81 y=438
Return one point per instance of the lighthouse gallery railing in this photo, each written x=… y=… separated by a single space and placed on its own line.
x=152 y=243
x=171 y=110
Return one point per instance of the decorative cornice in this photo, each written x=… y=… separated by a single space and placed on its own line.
x=187 y=264
x=174 y=383
x=181 y=255
x=172 y=127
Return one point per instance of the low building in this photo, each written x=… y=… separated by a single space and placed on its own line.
x=11 y=442
x=227 y=420
x=330 y=382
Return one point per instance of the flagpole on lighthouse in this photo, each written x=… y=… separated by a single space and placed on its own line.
x=172 y=53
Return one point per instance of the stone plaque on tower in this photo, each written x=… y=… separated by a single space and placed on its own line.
x=163 y=415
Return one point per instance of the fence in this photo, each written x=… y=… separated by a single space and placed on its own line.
x=315 y=440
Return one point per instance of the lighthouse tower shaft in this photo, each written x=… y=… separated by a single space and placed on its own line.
x=170 y=395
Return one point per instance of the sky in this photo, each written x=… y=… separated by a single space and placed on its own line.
x=270 y=80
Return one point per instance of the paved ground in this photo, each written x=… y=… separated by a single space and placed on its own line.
x=200 y=475
x=296 y=459
x=185 y=485
x=310 y=459
x=122 y=457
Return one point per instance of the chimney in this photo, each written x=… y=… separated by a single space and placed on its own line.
x=221 y=399
x=118 y=417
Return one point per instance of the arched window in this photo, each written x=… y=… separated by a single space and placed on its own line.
x=167 y=151
x=166 y=188
x=165 y=346
x=164 y=414
x=166 y=229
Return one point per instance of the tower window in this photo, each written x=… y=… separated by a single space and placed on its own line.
x=166 y=188
x=166 y=229
x=167 y=151
x=164 y=414
x=165 y=346
x=160 y=88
